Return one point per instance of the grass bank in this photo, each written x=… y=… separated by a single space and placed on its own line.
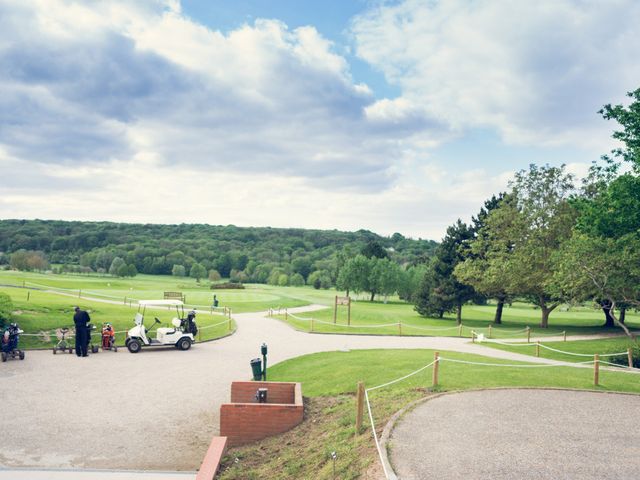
x=329 y=383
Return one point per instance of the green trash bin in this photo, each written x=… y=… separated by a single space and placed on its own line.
x=256 y=368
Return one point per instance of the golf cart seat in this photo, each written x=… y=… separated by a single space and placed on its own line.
x=170 y=331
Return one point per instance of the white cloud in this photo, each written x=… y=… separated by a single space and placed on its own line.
x=110 y=81
x=536 y=71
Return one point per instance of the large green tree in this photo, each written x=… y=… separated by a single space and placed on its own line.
x=441 y=291
x=476 y=269
x=526 y=230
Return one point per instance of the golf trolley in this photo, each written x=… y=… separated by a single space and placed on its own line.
x=181 y=336
x=90 y=346
x=108 y=338
x=63 y=344
x=10 y=339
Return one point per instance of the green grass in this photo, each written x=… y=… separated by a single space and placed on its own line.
x=149 y=287
x=329 y=383
x=365 y=314
x=47 y=311
x=584 y=347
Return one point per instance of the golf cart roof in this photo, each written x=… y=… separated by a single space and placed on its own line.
x=160 y=303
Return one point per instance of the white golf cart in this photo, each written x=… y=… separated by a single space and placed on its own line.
x=181 y=335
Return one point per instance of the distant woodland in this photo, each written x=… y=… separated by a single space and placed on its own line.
x=253 y=254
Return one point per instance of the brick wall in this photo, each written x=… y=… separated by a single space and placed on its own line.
x=278 y=392
x=244 y=420
x=211 y=461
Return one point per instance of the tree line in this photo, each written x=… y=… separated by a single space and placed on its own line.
x=279 y=256
x=550 y=240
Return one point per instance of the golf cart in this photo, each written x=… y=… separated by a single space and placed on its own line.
x=181 y=335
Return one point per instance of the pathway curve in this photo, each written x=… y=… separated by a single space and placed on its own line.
x=534 y=434
x=157 y=409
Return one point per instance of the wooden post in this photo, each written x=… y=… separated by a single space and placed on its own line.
x=28 y=296
x=460 y=330
x=473 y=336
x=630 y=357
x=565 y=335
x=596 y=370
x=229 y=310
x=230 y=327
x=400 y=328
x=489 y=330
x=436 y=356
x=528 y=335
x=359 y=407
x=349 y=311
x=125 y=300
x=312 y=324
x=335 y=309
x=286 y=315
x=538 y=348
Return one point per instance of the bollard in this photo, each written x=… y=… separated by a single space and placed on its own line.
x=125 y=300
x=538 y=348
x=489 y=330
x=230 y=324
x=473 y=336
x=359 y=407
x=229 y=310
x=528 y=335
x=28 y=296
x=565 y=335
x=400 y=328
x=436 y=356
x=596 y=370
x=460 y=330
x=630 y=357
x=312 y=324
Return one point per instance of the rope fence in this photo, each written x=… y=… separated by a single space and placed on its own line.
x=363 y=393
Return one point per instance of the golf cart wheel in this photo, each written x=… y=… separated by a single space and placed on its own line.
x=94 y=349
x=184 y=344
x=21 y=355
x=4 y=357
x=55 y=350
x=134 y=345
x=115 y=349
x=70 y=351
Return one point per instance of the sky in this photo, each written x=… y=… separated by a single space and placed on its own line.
x=392 y=116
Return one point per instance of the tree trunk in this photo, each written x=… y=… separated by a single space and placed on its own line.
x=347 y=292
x=623 y=313
x=546 y=311
x=498 y=317
x=606 y=308
x=459 y=314
x=441 y=314
x=373 y=294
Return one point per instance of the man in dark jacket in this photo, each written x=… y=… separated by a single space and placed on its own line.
x=81 y=319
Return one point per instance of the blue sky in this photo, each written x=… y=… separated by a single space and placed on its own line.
x=391 y=116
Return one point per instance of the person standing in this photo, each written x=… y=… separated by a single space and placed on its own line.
x=81 y=319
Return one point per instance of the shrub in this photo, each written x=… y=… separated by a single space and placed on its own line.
x=6 y=309
x=226 y=286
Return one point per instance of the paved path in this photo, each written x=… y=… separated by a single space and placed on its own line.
x=158 y=409
x=523 y=434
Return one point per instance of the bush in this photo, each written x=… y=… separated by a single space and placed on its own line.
x=214 y=275
x=227 y=286
x=624 y=360
x=296 y=280
x=6 y=309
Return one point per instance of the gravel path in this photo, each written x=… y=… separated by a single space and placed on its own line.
x=157 y=409
x=523 y=434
